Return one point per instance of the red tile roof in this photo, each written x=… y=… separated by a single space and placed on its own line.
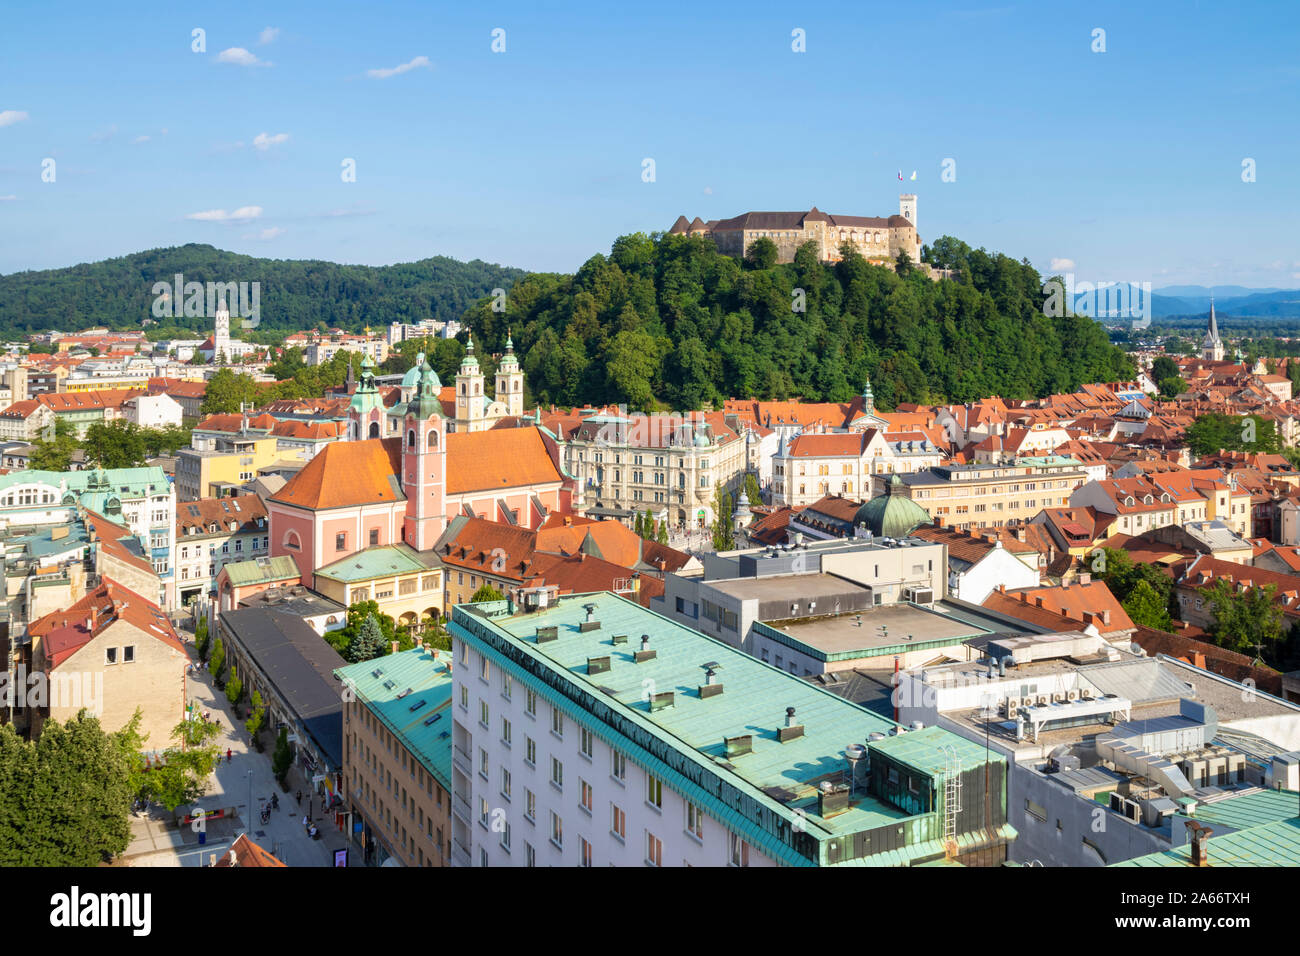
x=67 y=631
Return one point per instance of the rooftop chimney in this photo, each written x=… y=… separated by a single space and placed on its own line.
x=1200 y=843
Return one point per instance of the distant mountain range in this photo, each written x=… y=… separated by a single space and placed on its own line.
x=1230 y=300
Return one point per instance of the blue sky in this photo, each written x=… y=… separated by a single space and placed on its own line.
x=1126 y=163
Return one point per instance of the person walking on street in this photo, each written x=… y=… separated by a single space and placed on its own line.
x=227 y=755
x=299 y=798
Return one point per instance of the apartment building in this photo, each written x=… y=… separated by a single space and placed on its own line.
x=671 y=465
x=231 y=463
x=397 y=757
x=140 y=499
x=994 y=496
x=559 y=759
x=811 y=466
x=1145 y=502
x=212 y=532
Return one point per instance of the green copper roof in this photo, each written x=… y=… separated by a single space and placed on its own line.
x=410 y=692
x=926 y=751
x=261 y=571
x=1249 y=809
x=893 y=514
x=684 y=741
x=377 y=562
x=1272 y=844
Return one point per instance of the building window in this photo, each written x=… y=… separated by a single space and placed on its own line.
x=557 y=722
x=694 y=821
x=739 y=851
x=586 y=797
x=128 y=653
x=505 y=783
x=618 y=766
x=530 y=750
x=530 y=805
x=505 y=731
x=654 y=850
x=587 y=743
x=110 y=655
x=586 y=852
x=530 y=705
x=340 y=541
x=374 y=536
x=557 y=829
x=654 y=791
x=557 y=773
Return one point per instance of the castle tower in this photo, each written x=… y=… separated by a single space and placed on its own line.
x=469 y=393
x=907 y=207
x=1212 y=346
x=510 y=380
x=868 y=399
x=424 y=465
x=366 y=410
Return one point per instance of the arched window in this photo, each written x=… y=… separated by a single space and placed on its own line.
x=433 y=439
x=410 y=438
x=292 y=541
x=374 y=429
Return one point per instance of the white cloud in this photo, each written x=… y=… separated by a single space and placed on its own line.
x=242 y=214
x=239 y=57
x=268 y=35
x=420 y=62
x=104 y=135
x=141 y=139
x=264 y=141
x=1059 y=264
x=265 y=234
x=708 y=190
x=9 y=117
x=8 y=198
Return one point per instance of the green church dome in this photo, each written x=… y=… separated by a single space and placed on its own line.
x=893 y=514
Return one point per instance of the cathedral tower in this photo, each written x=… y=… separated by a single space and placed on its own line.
x=510 y=381
x=470 y=400
x=424 y=465
x=1212 y=347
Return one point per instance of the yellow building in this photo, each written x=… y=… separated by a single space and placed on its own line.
x=406 y=584
x=233 y=463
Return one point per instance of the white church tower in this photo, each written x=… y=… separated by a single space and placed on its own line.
x=1212 y=347
x=221 y=333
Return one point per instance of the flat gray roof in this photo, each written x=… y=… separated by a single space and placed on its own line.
x=793 y=587
x=879 y=627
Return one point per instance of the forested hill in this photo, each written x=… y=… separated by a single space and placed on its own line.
x=667 y=320
x=294 y=294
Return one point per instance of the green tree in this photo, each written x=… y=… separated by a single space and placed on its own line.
x=752 y=491
x=761 y=254
x=1164 y=367
x=723 y=539
x=1171 y=387
x=234 y=687
x=202 y=640
x=1146 y=608
x=54 y=453
x=226 y=390
x=1246 y=620
x=282 y=759
x=256 y=719
x=370 y=641
x=662 y=536
x=487 y=593
x=218 y=659
x=65 y=798
x=115 y=444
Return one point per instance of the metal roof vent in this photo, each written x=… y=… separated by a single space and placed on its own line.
x=710 y=687
x=791 y=730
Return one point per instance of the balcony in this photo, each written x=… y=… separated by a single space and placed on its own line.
x=460 y=807
x=459 y=854
x=462 y=760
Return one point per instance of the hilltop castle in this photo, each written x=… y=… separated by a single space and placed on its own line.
x=879 y=240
